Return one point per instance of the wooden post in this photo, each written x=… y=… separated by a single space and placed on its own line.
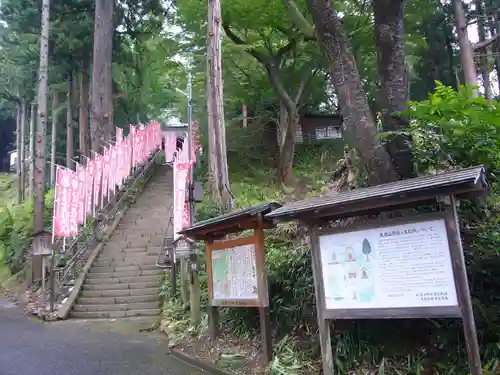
x=18 y=153
x=462 y=286
x=213 y=311
x=21 y=152
x=184 y=279
x=32 y=148
x=323 y=324
x=265 y=319
x=194 y=292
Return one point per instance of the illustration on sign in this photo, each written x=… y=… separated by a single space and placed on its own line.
x=234 y=273
x=406 y=265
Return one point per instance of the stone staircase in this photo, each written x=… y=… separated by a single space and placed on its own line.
x=124 y=280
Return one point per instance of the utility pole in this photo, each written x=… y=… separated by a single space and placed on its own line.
x=194 y=281
x=190 y=281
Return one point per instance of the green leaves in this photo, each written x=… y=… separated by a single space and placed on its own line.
x=455 y=128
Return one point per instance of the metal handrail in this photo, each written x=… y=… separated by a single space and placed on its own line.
x=164 y=248
x=90 y=233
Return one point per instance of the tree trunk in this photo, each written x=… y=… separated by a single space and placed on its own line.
x=282 y=126
x=84 y=111
x=53 y=141
x=18 y=153
x=39 y=190
x=285 y=166
x=32 y=149
x=389 y=33
x=69 y=125
x=358 y=119
x=102 y=102
x=216 y=122
x=466 y=53
x=484 y=53
x=22 y=154
x=495 y=29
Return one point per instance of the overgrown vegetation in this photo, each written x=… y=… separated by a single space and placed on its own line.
x=16 y=231
x=450 y=129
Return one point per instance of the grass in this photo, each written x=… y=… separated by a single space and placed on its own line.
x=7 y=188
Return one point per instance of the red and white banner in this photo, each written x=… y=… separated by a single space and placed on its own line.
x=181 y=176
x=61 y=225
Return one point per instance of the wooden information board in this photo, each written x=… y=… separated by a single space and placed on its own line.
x=236 y=273
x=388 y=269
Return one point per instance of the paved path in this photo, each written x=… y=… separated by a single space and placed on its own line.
x=31 y=347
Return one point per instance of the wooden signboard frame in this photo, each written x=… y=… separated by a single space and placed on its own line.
x=407 y=312
x=214 y=233
x=261 y=302
x=463 y=310
x=442 y=190
x=262 y=299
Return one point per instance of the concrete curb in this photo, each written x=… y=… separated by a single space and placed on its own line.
x=198 y=363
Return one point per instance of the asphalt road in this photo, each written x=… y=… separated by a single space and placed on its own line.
x=31 y=347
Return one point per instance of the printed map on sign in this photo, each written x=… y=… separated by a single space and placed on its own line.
x=234 y=273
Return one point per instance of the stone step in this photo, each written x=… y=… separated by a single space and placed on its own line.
x=123 y=257
x=113 y=275
x=125 y=280
x=114 y=314
x=98 y=269
x=135 y=242
x=117 y=307
x=126 y=261
x=146 y=231
x=135 y=285
x=119 y=251
x=119 y=300
x=121 y=292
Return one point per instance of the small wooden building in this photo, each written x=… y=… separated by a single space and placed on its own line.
x=311 y=129
x=319 y=127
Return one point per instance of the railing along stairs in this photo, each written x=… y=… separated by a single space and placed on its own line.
x=69 y=260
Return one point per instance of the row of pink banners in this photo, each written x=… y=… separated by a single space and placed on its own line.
x=79 y=193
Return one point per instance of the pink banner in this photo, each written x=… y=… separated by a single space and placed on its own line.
x=170 y=145
x=97 y=179
x=135 y=144
x=61 y=226
x=81 y=175
x=105 y=175
x=75 y=204
x=113 y=159
x=181 y=176
x=119 y=135
x=89 y=185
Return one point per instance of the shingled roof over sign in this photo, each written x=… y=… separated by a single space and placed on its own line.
x=230 y=222
x=463 y=183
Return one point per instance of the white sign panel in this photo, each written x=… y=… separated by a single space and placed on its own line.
x=234 y=273
x=399 y=266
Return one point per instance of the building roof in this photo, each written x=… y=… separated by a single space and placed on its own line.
x=467 y=182
x=229 y=223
